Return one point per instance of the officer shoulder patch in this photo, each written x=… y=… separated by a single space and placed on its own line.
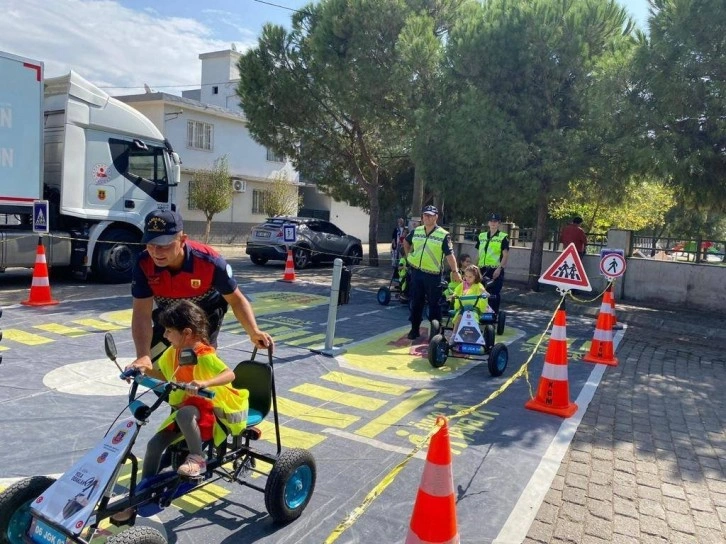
x=229 y=271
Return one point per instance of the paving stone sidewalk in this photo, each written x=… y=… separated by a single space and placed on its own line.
x=647 y=462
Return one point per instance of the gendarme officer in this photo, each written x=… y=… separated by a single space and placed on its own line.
x=493 y=247
x=426 y=248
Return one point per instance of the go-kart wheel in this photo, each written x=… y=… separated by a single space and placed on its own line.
x=498 y=359
x=15 y=504
x=137 y=535
x=384 y=296
x=290 y=485
x=501 y=320
x=438 y=351
x=488 y=333
x=434 y=328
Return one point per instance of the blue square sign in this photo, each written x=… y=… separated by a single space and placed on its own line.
x=40 y=216
x=289 y=234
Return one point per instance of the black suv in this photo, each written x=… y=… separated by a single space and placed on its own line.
x=317 y=241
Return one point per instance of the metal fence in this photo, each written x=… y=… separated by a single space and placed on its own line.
x=524 y=237
x=696 y=250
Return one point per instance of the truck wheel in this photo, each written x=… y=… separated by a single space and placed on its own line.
x=15 y=507
x=137 y=535
x=290 y=485
x=115 y=256
x=498 y=359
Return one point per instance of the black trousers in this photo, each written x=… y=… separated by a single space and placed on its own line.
x=495 y=288
x=424 y=287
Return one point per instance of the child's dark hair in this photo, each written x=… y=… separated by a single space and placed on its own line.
x=462 y=258
x=184 y=314
x=474 y=269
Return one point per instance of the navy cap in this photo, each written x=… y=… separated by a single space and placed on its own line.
x=161 y=227
x=495 y=217
x=430 y=210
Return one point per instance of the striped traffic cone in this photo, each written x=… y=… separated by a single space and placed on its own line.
x=553 y=393
x=40 y=286
x=602 y=350
x=434 y=513
x=289 y=274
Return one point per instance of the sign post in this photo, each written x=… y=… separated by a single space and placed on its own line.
x=40 y=217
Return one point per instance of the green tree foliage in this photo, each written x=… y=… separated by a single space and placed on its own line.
x=681 y=94
x=519 y=93
x=211 y=191
x=282 y=197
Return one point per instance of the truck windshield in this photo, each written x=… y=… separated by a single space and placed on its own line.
x=143 y=165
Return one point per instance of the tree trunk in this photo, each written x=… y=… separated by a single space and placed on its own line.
x=373 y=222
x=418 y=193
x=540 y=231
x=207 y=231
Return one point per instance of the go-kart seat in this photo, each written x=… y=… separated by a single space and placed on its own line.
x=256 y=377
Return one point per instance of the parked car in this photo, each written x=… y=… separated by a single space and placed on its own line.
x=317 y=241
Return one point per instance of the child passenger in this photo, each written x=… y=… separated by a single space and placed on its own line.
x=193 y=416
x=473 y=286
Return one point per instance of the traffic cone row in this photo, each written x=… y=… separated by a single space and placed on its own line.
x=434 y=513
x=553 y=393
x=289 y=274
x=602 y=350
x=40 y=287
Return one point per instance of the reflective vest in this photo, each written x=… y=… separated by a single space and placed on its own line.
x=229 y=404
x=470 y=297
x=428 y=251
x=490 y=249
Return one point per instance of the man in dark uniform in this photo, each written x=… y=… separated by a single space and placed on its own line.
x=426 y=248
x=173 y=267
x=493 y=248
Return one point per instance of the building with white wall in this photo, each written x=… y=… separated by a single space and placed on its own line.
x=205 y=124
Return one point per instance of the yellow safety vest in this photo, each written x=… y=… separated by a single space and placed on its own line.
x=482 y=304
x=490 y=249
x=230 y=405
x=428 y=251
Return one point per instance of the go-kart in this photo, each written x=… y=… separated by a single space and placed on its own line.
x=474 y=336
x=41 y=509
x=393 y=290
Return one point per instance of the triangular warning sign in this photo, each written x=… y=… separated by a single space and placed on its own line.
x=567 y=272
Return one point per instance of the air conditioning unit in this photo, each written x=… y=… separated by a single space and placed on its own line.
x=239 y=185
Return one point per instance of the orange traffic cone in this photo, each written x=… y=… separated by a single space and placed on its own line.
x=40 y=287
x=553 y=393
x=289 y=274
x=602 y=349
x=434 y=512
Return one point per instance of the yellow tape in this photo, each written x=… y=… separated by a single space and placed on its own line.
x=388 y=478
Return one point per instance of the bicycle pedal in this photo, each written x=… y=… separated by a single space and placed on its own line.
x=254 y=433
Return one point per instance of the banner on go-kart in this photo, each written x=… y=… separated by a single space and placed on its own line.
x=468 y=331
x=70 y=501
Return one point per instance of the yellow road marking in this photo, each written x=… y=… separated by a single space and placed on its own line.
x=120 y=317
x=4 y=348
x=315 y=414
x=291 y=438
x=338 y=397
x=57 y=328
x=196 y=500
x=27 y=338
x=382 y=422
x=306 y=340
x=365 y=383
x=292 y=334
x=98 y=324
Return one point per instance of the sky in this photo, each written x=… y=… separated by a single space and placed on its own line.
x=120 y=45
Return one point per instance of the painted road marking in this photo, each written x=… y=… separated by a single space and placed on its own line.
x=26 y=338
x=98 y=324
x=292 y=334
x=63 y=330
x=315 y=414
x=292 y=438
x=315 y=338
x=358 y=382
x=393 y=416
x=331 y=395
x=199 y=498
x=274 y=302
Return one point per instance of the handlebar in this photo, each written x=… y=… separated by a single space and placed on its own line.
x=160 y=385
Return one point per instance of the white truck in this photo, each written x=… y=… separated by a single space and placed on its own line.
x=100 y=164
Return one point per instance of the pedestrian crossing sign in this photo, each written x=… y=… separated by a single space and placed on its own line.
x=40 y=216
x=567 y=271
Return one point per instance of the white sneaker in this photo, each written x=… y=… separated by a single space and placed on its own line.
x=194 y=465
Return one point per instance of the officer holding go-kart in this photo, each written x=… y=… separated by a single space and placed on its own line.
x=426 y=248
